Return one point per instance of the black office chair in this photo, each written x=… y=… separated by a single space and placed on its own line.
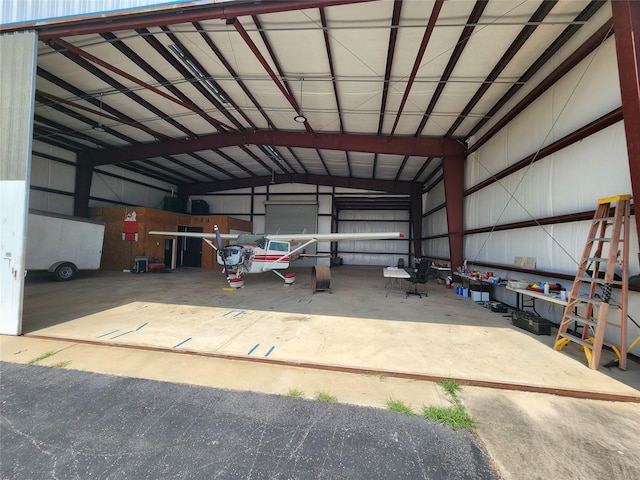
x=419 y=277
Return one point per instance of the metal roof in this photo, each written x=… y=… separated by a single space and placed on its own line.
x=206 y=97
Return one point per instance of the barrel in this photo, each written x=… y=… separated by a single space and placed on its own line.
x=320 y=279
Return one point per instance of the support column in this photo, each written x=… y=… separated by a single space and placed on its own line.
x=18 y=57
x=453 y=170
x=416 y=219
x=626 y=24
x=84 y=176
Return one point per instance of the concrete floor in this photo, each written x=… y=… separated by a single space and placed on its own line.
x=357 y=343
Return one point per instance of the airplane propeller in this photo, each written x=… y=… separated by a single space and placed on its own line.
x=221 y=251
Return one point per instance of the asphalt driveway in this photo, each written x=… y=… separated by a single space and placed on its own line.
x=59 y=423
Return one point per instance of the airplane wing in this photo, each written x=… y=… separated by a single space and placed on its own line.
x=333 y=237
x=224 y=236
x=294 y=237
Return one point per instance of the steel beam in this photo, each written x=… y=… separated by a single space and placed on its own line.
x=453 y=171
x=84 y=176
x=389 y=186
x=416 y=64
x=419 y=147
x=626 y=20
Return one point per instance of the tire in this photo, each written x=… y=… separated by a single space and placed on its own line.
x=64 y=272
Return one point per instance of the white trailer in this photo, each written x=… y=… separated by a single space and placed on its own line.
x=62 y=244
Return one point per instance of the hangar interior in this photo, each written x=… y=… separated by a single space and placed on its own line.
x=483 y=130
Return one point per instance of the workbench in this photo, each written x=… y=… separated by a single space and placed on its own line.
x=394 y=276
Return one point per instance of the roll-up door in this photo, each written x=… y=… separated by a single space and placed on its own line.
x=293 y=218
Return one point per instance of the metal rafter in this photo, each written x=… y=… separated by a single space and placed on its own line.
x=327 y=45
x=389 y=186
x=93 y=59
x=94 y=101
x=234 y=74
x=212 y=165
x=263 y=61
x=576 y=57
x=274 y=59
x=538 y=16
x=547 y=55
x=391 y=49
x=140 y=62
x=42 y=97
x=421 y=146
x=123 y=89
x=467 y=31
x=196 y=82
x=416 y=64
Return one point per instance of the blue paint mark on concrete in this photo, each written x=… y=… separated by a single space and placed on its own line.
x=253 y=349
x=109 y=333
x=122 y=334
x=269 y=352
x=182 y=342
x=142 y=326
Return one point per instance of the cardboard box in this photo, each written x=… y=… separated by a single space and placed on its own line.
x=479 y=296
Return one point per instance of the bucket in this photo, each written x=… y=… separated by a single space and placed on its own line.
x=289 y=278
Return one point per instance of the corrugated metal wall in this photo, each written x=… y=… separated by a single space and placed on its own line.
x=42 y=11
x=17 y=89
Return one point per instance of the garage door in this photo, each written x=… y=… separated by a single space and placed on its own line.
x=293 y=218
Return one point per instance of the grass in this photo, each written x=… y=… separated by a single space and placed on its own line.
x=44 y=356
x=450 y=386
x=399 y=407
x=295 y=393
x=61 y=364
x=381 y=376
x=455 y=417
x=325 y=397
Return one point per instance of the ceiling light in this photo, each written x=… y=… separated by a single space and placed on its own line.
x=300 y=118
x=198 y=73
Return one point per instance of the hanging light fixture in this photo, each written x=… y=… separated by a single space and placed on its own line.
x=99 y=127
x=300 y=118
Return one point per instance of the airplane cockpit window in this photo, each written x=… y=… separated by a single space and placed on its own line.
x=258 y=240
x=278 y=246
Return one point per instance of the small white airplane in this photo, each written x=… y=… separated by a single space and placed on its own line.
x=272 y=252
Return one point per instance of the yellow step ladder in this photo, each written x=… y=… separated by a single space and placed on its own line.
x=607 y=239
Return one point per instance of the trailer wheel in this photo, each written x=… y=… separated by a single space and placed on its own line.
x=65 y=271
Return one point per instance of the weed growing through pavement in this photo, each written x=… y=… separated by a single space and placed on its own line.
x=325 y=397
x=61 y=364
x=399 y=407
x=450 y=386
x=295 y=393
x=455 y=416
x=44 y=356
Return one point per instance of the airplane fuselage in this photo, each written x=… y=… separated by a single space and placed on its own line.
x=254 y=258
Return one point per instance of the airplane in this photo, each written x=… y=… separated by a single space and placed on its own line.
x=269 y=252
